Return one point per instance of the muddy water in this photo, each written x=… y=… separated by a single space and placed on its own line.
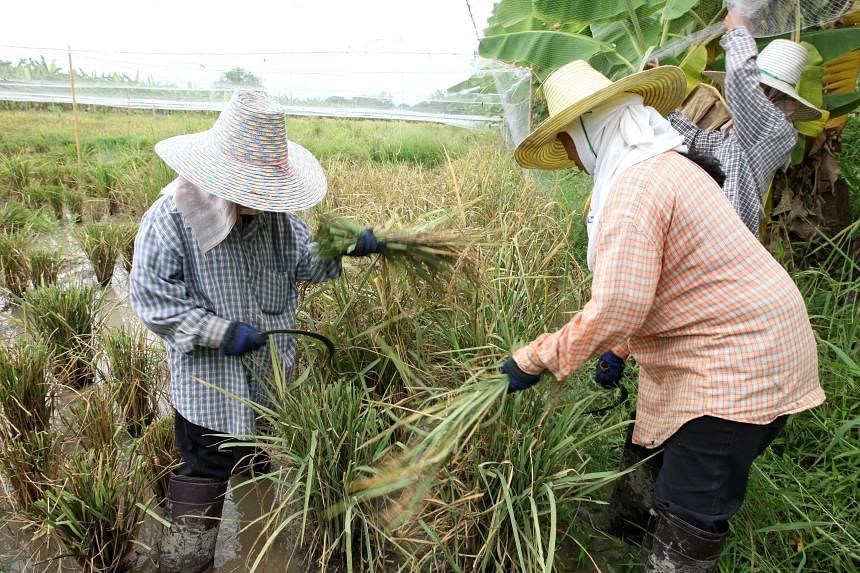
x=239 y=541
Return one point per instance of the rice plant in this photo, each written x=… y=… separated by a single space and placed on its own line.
x=158 y=446
x=316 y=443
x=45 y=266
x=96 y=508
x=138 y=372
x=16 y=217
x=98 y=240
x=125 y=235
x=30 y=463
x=67 y=318
x=49 y=196
x=74 y=202
x=93 y=420
x=25 y=389
x=16 y=171
x=14 y=262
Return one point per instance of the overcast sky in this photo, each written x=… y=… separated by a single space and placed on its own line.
x=364 y=32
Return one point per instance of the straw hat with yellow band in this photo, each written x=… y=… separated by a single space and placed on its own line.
x=576 y=88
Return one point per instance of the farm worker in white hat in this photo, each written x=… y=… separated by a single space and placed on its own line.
x=761 y=93
x=720 y=331
x=217 y=261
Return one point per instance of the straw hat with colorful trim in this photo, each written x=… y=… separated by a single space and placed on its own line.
x=246 y=158
x=576 y=88
x=780 y=64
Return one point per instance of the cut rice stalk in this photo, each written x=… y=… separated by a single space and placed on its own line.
x=457 y=417
x=420 y=247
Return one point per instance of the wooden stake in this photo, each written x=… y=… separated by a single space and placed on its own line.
x=75 y=109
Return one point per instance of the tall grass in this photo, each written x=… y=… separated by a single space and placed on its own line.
x=67 y=318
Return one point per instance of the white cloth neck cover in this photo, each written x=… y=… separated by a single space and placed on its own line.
x=612 y=137
x=211 y=218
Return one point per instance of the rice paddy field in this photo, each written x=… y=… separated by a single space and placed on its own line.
x=86 y=435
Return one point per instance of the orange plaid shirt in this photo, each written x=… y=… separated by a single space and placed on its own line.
x=716 y=324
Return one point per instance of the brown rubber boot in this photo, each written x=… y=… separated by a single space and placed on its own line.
x=683 y=548
x=194 y=508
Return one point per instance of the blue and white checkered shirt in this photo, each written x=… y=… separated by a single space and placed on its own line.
x=189 y=299
x=760 y=140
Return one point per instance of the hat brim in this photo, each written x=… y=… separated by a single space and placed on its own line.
x=807 y=110
x=299 y=185
x=662 y=88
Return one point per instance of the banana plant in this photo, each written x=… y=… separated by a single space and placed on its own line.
x=618 y=37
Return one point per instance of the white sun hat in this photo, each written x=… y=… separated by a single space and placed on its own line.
x=246 y=158
x=780 y=64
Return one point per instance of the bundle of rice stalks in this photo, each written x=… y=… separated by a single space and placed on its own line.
x=30 y=465
x=98 y=240
x=67 y=319
x=423 y=248
x=158 y=446
x=96 y=508
x=14 y=263
x=24 y=389
x=45 y=266
x=458 y=414
x=137 y=370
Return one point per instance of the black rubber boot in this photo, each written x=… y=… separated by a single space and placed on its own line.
x=629 y=511
x=194 y=508
x=682 y=548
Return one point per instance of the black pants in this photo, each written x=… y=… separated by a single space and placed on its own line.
x=202 y=454
x=704 y=468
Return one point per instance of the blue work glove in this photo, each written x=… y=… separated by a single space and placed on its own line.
x=609 y=370
x=366 y=244
x=517 y=379
x=240 y=338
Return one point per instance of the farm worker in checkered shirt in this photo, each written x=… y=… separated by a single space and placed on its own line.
x=217 y=261
x=720 y=331
x=760 y=90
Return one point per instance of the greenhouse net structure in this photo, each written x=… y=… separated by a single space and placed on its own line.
x=453 y=88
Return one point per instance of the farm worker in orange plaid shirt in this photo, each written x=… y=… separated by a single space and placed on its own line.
x=720 y=331
x=761 y=94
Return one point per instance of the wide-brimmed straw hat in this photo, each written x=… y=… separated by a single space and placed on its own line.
x=246 y=158
x=780 y=64
x=576 y=88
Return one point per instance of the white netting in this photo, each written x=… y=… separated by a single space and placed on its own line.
x=452 y=88
x=765 y=18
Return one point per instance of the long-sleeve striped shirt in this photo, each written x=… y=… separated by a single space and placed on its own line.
x=188 y=299
x=761 y=137
x=716 y=324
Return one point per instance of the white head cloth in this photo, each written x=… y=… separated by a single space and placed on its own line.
x=211 y=218
x=612 y=137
